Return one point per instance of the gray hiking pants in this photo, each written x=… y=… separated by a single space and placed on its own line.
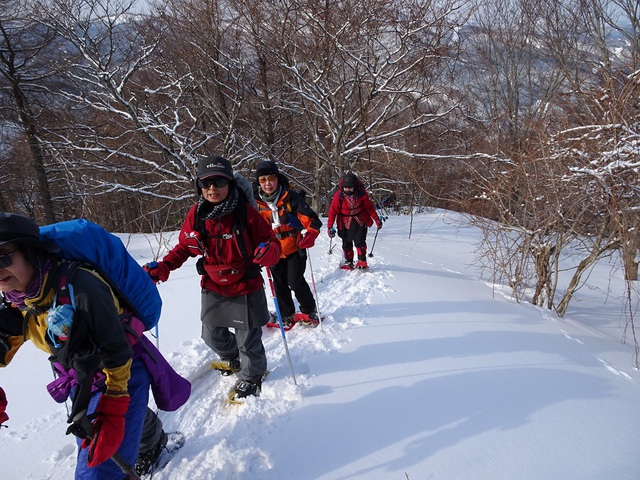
x=245 y=315
x=244 y=343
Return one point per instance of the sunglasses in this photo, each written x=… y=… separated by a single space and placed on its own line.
x=268 y=178
x=217 y=182
x=6 y=260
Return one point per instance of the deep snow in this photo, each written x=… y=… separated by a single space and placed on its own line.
x=422 y=370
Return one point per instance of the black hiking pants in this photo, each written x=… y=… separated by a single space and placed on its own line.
x=355 y=234
x=288 y=276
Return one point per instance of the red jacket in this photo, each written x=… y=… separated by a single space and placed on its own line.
x=362 y=208
x=226 y=270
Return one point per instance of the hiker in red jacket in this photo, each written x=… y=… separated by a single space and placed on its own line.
x=352 y=212
x=233 y=242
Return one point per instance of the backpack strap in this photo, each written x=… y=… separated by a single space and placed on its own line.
x=239 y=228
x=132 y=325
x=240 y=223
x=64 y=290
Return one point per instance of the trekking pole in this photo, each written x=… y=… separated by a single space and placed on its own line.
x=330 y=245
x=125 y=467
x=313 y=282
x=284 y=337
x=374 y=243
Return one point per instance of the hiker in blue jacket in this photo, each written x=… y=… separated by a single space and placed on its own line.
x=108 y=370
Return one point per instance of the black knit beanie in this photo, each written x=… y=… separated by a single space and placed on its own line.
x=349 y=180
x=266 y=168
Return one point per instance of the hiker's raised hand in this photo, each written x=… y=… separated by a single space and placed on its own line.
x=108 y=429
x=3 y=407
x=158 y=271
x=267 y=254
x=308 y=240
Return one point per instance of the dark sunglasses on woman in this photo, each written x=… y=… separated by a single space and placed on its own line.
x=217 y=182
x=6 y=260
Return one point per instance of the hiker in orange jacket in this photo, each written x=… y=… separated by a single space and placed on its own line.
x=297 y=226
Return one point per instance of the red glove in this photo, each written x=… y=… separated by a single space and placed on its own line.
x=158 y=271
x=379 y=223
x=3 y=406
x=308 y=240
x=267 y=254
x=108 y=429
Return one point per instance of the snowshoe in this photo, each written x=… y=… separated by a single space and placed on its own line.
x=362 y=264
x=308 y=320
x=175 y=442
x=227 y=367
x=147 y=460
x=288 y=322
x=245 y=388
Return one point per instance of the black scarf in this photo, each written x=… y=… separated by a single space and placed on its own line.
x=215 y=212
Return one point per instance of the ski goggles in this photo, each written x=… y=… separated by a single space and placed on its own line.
x=217 y=182
x=6 y=260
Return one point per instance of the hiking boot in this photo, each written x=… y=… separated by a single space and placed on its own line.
x=228 y=367
x=311 y=320
x=246 y=388
x=288 y=320
x=147 y=460
x=362 y=264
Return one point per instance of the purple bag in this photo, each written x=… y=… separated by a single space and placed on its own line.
x=170 y=390
x=61 y=387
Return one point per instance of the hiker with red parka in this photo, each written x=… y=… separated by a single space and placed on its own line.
x=233 y=243
x=352 y=212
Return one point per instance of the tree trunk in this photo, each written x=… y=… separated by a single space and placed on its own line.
x=37 y=156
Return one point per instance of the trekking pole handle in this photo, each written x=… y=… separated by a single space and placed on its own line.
x=374 y=243
x=83 y=428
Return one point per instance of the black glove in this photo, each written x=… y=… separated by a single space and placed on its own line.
x=10 y=326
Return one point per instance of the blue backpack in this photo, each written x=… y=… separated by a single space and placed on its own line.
x=86 y=242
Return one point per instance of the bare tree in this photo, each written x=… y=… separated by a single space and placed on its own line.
x=23 y=72
x=357 y=78
x=135 y=132
x=204 y=41
x=568 y=191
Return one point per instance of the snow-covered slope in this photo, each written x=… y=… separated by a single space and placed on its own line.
x=421 y=370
